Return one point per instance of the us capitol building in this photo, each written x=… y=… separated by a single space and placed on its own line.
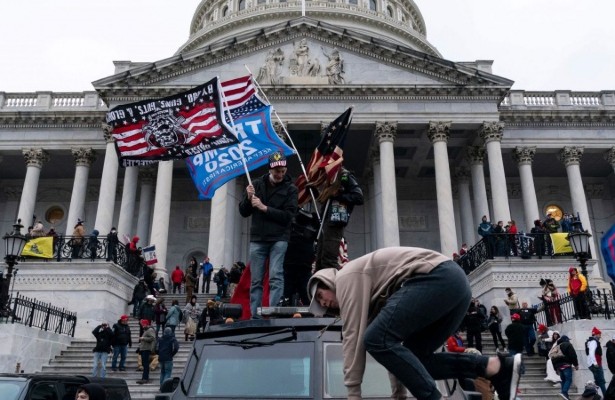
x=436 y=144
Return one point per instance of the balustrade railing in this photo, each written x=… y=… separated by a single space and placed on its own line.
x=592 y=304
x=36 y=314
x=69 y=248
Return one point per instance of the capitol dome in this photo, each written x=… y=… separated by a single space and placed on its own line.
x=396 y=21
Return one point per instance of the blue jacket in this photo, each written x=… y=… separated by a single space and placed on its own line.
x=167 y=346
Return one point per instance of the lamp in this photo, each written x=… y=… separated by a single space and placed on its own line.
x=14 y=243
x=579 y=240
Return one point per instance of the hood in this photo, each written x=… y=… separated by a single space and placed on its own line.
x=327 y=277
x=135 y=239
x=95 y=232
x=95 y=391
x=167 y=332
x=563 y=339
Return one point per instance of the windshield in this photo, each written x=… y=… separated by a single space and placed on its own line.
x=226 y=366
x=9 y=390
x=376 y=381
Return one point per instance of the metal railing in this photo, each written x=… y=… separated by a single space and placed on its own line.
x=36 y=314
x=520 y=245
x=69 y=248
x=593 y=304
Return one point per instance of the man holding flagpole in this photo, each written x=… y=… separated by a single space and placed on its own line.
x=271 y=201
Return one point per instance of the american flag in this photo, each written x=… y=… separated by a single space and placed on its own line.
x=240 y=97
x=326 y=159
x=173 y=127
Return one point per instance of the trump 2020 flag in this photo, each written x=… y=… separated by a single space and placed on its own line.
x=41 y=247
x=608 y=251
x=258 y=140
x=149 y=255
x=169 y=128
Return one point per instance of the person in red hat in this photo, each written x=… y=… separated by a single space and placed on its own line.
x=593 y=350
x=147 y=346
x=121 y=341
x=577 y=287
x=515 y=332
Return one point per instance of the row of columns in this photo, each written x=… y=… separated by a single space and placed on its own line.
x=385 y=214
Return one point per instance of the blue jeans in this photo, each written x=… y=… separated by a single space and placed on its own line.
x=122 y=351
x=414 y=323
x=598 y=373
x=166 y=367
x=102 y=358
x=566 y=377
x=259 y=251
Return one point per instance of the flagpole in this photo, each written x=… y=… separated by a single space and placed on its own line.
x=290 y=140
x=230 y=116
x=322 y=223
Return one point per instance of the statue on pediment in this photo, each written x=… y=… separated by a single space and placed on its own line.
x=269 y=73
x=335 y=67
x=300 y=61
x=314 y=67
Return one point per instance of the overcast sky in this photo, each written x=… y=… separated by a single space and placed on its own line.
x=64 y=45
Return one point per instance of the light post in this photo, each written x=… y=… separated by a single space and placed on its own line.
x=14 y=243
x=579 y=240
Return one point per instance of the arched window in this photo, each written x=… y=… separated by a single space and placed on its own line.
x=354 y=2
x=372 y=5
x=242 y=4
x=224 y=11
x=390 y=11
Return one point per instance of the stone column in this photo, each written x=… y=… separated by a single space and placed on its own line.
x=129 y=195
x=221 y=224
x=491 y=133
x=524 y=157
x=146 y=176
x=35 y=158
x=570 y=156
x=438 y=133
x=462 y=176
x=84 y=157
x=162 y=214
x=108 y=185
x=386 y=133
x=476 y=155
x=610 y=157
x=378 y=233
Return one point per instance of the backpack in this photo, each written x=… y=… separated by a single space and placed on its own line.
x=556 y=352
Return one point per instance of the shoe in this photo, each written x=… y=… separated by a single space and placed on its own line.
x=122 y=369
x=563 y=396
x=506 y=381
x=114 y=369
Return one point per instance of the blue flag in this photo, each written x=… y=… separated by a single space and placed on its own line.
x=608 y=251
x=212 y=169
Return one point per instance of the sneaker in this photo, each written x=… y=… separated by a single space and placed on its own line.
x=506 y=381
x=122 y=369
x=114 y=369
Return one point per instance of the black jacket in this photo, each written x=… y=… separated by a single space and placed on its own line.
x=281 y=202
x=167 y=346
x=350 y=194
x=474 y=319
x=570 y=355
x=610 y=356
x=104 y=338
x=515 y=334
x=121 y=335
x=139 y=292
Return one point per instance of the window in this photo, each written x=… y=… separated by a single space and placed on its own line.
x=44 y=391
x=389 y=11
x=54 y=215
x=375 y=380
x=289 y=363
x=10 y=390
x=225 y=11
x=353 y=2
x=372 y=5
x=242 y=4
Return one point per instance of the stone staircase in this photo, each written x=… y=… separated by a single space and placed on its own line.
x=77 y=359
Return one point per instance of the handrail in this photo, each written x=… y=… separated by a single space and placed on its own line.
x=44 y=316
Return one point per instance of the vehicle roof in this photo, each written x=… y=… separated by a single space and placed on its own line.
x=82 y=378
x=269 y=325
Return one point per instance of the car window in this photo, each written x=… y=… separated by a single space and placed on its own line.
x=10 y=390
x=224 y=367
x=376 y=381
x=44 y=391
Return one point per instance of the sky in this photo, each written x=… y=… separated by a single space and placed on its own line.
x=64 y=45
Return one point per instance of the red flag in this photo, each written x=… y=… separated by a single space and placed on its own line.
x=327 y=158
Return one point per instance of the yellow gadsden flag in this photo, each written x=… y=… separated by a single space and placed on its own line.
x=561 y=244
x=39 y=247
